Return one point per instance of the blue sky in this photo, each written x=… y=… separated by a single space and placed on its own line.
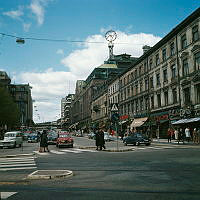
x=53 y=67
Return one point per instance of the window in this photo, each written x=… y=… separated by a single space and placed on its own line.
x=164 y=54
x=152 y=102
x=183 y=41
x=157 y=59
x=173 y=69
x=187 y=95
x=146 y=103
x=174 y=94
x=145 y=67
x=151 y=82
x=158 y=79
x=166 y=97
x=136 y=75
x=150 y=64
x=195 y=33
x=136 y=89
x=141 y=104
x=141 y=86
x=140 y=70
x=146 y=84
x=172 y=49
x=159 y=100
x=197 y=61
x=165 y=78
x=185 y=67
x=132 y=107
x=198 y=93
x=136 y=105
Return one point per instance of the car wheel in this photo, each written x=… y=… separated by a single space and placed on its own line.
x=134 y=144
x=14 y=145
x=147 y=144
x=137 y=143
x=72 y=146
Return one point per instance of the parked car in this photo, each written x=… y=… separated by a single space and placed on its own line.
x=64 y=139
x=107 y=137
x=12 y=139
x=91 y=135
x=33 y=137
x=136 y=139
x=52 y=138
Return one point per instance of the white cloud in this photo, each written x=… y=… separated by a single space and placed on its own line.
x=26 y=27
x=37 y=8
x=50 y=86
x=60 y=51
x=15 y=14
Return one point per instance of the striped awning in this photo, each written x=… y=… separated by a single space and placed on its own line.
x=184 y=121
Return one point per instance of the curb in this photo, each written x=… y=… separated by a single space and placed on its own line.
x=17 y=155
x=34 y=176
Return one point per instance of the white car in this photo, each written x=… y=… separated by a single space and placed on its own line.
x=12 y=139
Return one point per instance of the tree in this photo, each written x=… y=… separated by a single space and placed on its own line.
x=9 y=112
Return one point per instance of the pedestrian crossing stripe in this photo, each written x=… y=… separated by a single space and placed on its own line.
x=56 y=152
x=22 y=163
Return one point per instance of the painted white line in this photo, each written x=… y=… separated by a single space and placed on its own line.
x=41 y=153
x=17 y=165
x=15 y=159
x=16 y=162
x=86 y=150
x=57 y=152
x=19 y=168
x=5 y=195
x=71 y=151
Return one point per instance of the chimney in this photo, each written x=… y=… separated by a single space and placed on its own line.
x=145 y=48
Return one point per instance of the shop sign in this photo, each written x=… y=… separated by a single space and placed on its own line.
x=123 y=117
x=162 y=117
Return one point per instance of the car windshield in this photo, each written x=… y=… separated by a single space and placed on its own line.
x=10 y=135
x=63 y=136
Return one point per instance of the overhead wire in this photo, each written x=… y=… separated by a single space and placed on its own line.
x=58 y=40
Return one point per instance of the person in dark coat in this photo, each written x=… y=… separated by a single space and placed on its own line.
x=97 y=138
x=101 y=139
x=44 y=142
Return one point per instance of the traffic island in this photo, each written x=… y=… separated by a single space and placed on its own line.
x=50 y=174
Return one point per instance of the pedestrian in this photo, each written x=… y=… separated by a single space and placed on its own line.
x=195 y=136
x=176 y=134
x=187 y=134
x=97 y=139
x=43 y=142
x=169 y=135
x=182 y=135
x=101 y=139
x=198 y=136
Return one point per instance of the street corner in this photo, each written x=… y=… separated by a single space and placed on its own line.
x=49 y=174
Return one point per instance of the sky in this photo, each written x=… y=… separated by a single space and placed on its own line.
x=75 y=30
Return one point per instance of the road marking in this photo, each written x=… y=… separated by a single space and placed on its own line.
x=57 y=152
x=86 y=150
x=71 y=151
x=5 y=195
x=41 y=153
x=17 y=168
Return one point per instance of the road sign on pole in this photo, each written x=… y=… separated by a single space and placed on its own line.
x=114 y=107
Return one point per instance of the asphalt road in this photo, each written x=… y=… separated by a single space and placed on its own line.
x=144 y=173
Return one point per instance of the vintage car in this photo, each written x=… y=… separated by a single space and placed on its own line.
x=33 y=137
x=136 y=139
x=64 y=140
x=52 y=137
x=12 y=139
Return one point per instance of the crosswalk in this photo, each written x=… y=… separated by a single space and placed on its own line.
x=160 y=147
x=17 y=163
x=64 y=151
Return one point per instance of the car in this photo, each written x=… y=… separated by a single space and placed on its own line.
x=52 y=138
x=12 y=139
x=64 y=140
x=107 y=137
x=136 y=139
x=33 y=137
x=91 y=135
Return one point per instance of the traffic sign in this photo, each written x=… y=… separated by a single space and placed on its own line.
x=114 y=107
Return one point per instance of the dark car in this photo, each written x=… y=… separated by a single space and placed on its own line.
x=33 y=137
x=137 y=139
x=52 y=137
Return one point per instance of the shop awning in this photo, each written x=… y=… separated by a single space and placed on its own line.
x=138 y=122
x=184 y=121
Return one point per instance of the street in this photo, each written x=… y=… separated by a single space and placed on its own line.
x=143 y=173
